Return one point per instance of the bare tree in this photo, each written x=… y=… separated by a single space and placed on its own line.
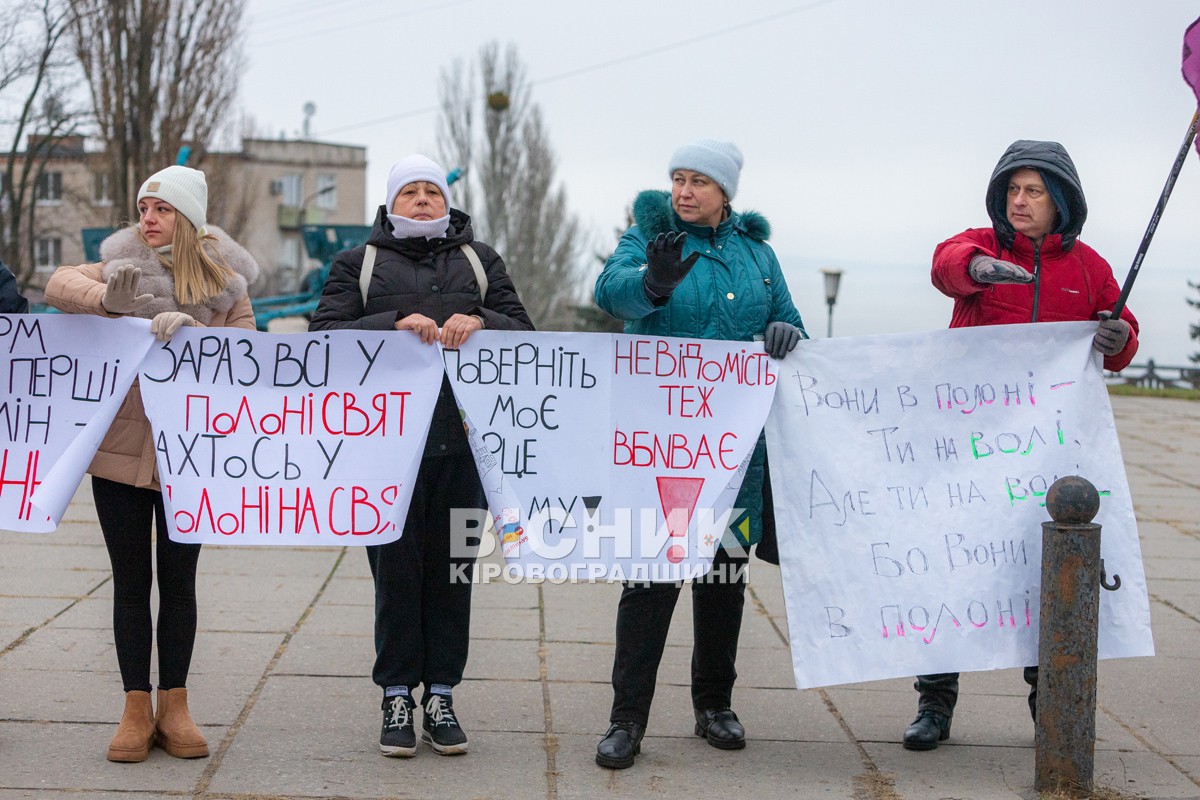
x=35 y=78
x=590 y=316
x=162 y=74
x=455 y=129
x=510 y=188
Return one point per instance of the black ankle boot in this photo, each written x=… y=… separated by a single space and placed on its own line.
x=721 y=728
x=618 y=747
x=926 y=731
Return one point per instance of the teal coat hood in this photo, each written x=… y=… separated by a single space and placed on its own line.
x=735 y=289
x=653 y=213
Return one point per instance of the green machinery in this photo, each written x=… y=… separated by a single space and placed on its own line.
x=323 y=243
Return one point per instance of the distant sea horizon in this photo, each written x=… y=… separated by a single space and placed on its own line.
x=875 y=298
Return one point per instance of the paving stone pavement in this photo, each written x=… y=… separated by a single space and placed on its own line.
x=281 y=682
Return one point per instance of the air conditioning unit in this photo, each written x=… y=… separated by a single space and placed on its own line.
x=276 y=188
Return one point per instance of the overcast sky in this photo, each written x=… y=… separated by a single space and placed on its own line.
x=869 y=127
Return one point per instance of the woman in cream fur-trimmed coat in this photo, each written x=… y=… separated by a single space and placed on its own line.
x=175 y=271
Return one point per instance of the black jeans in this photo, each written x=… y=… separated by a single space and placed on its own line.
x=422 y=605
x=643 y=619
x=127 y=514
x=940 y=692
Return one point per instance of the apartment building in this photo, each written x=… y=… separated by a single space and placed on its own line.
x=261 y=195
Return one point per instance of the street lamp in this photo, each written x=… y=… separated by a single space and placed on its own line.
x=832 y=278
x=302 y=220
x=300 y=215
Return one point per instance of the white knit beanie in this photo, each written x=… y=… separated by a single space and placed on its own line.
x=721 y=161
x=185 y=189
x=411 y=169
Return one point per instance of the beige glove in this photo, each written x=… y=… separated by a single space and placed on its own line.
x=165 y=324
x=121 y=293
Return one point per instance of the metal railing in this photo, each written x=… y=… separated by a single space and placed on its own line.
x=1156 y=376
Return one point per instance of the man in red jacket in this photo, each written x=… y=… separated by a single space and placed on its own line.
x=1028 y=267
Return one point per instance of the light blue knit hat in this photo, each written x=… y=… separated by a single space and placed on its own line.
x=721 y=161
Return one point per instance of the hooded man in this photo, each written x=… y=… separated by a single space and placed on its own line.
x=1028 y=267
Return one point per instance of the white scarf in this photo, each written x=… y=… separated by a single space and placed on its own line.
x=405 y=228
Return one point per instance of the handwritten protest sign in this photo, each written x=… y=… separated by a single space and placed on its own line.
x=62 y=380
x=909 y=475
x=303 y=439
x=610 y=456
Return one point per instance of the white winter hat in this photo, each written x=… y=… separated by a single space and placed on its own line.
x=721 y=161
x=411 y=169
x=185 y=189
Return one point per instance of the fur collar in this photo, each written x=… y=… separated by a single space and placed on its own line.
x=125 y=247
x=653 y=214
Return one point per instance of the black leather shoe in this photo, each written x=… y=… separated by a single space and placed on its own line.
x=721 y=727
x=926 y=731
x=618 y=747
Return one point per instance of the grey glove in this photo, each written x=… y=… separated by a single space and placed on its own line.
x=985 y=269
x=664 y=270
x=1112 y=334
x=781 y=338
x=120 y=294
x=165 y=324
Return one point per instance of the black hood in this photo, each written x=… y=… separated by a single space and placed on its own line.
x=1050 y=157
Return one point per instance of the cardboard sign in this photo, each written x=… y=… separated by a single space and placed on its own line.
x=610 y=457
x=909 y=474
x=299 y=439
x=62 y=379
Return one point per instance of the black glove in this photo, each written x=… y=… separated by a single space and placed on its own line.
x=664 y=270
x=985 y=269
x=1112 y=334
x=781 y=338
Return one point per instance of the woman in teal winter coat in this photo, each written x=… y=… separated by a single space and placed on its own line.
x=690 y=266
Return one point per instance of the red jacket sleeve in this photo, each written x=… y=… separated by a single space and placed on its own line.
x=952 y=257
x=1108 y=294
x=1121 y=360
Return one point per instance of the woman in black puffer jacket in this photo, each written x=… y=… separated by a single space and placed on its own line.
x=425 y=278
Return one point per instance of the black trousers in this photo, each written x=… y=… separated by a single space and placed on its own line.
x=422 y=604
x=939 y=692
x=643 y=619
x=127 y=515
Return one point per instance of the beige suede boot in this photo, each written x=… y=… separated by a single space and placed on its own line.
x=174 y=730
x=135 y=733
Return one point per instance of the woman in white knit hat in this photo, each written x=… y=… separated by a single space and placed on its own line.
x=175 y=270
x=422 y=271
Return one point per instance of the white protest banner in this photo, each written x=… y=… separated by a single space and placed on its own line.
x=297 y=439
x=909 y=474
x=62 y=379
x=610 y=456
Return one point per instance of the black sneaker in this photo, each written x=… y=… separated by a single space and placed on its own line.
x=439 y=726
x=397 y=738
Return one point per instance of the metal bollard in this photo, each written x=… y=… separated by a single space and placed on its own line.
x=1071 y=575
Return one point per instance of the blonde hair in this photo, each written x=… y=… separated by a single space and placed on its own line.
x=199 y=271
